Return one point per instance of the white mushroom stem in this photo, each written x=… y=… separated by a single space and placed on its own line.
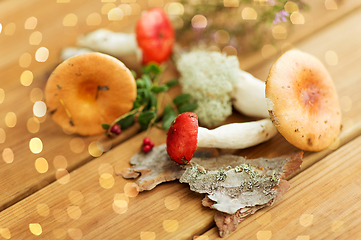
x=248 y=96
x=237 y=135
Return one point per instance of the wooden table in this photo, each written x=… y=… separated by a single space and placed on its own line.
x=57 y=185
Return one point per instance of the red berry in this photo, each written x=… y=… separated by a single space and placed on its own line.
x=147 y=148
x=146 y=141
x=116 y=129
x=151 y=144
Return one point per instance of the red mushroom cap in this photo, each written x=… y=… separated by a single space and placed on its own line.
x=182 y=137
x=155 y=36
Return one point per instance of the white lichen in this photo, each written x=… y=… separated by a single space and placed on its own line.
x=209 y=77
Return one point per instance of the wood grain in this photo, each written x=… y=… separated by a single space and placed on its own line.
x=83 y=206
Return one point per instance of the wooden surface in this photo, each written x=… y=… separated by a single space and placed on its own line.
x=91 y=202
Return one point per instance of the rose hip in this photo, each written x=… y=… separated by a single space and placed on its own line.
x=115 y=129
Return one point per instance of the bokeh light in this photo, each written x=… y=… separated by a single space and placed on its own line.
x=279 y=32
x=93 y=19
x=174 y=8
x=297 y=18
x=10 y=119
x=120 y=206
x=74 y=212
x=231 y=3
x=115 y=14
x=25 y=60
x=9 y=29
x=62 y=176
x=249 y=13
x=33 y=125
x=2 y=95
x=76 y=197
x=5 y=233
x=77 y=145
x=172 y=202
x=75 y=233
x=106 y=181
x=36 y=145
x=39 y=109
x=147 y=236
x=95 y=149
x=43 y=209
x=31 y=23
x=2 y=135
x=36 y=229
x=42 y=54
x=170 y=225
x=337 y=226
x=264 y=235
x=41 y=165
x=107 y=7
x=230 y=51
x=331 y=5
x=35 y=38
x=291 y=7
x=199 y=21
x=59 y=233
x=60 y=162
x=331 y=58
x=131 y=189
x=306 y=220
x=221 y=37
x=26 y=78
x=70 y=20
x=36 y=94
x=8 y=155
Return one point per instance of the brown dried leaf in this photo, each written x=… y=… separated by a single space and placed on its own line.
x=153 y=168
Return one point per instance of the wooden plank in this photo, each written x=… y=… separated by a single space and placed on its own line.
x=95 y=220
x=322 y=203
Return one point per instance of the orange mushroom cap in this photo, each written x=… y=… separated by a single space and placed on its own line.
x=87 y=90
x=303 y=101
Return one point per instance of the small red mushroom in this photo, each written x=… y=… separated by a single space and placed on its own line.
x=184 y=136
x=155 y=36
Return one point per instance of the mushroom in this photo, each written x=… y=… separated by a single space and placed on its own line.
x=303 y=101
x=184 y=136
x=88 y=90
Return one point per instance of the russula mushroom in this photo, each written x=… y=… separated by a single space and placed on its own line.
x=303 y=101
x=184 y=136
x=88 y=90
x=155 y=36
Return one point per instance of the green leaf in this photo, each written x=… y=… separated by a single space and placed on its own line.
x=152 y=68
x=171 y=83
x=143 y=95
x=126 y=122
x=188 y=107
x=147 y=81
x=182 y=98
x=140 y=83
x=145 y=117
x=153 y=101
x=168 y=116
x=159 y=89
x=105 y=126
